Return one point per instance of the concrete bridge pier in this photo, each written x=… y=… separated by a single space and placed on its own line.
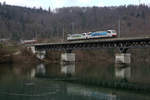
x=67 y=57
x=41 y=54
x=68 y=63
x=123 y=58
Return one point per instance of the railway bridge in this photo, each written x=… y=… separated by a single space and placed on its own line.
x=123 y=44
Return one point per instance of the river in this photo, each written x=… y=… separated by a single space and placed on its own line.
x=39 y=82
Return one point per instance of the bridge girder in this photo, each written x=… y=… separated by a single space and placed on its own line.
x=122 y=44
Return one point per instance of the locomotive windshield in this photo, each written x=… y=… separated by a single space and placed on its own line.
x=113 y=31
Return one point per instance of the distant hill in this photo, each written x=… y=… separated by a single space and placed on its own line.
x=27 y=23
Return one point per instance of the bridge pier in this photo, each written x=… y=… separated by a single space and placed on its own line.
x=32 y=48
x=40 y=54
x=122 y=58
x=68 y=62
x=68 y=57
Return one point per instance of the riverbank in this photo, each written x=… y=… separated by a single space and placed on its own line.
x=15 y=54
x=5 y=55
x=25 y=56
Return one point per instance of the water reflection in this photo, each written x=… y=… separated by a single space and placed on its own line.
x=82 y=91
x=123 y=72
x=68 y=69
x=12 y=88
x=32 y=73
x=40 y=69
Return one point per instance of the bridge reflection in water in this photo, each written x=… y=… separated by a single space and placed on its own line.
x=41 y=70
x=18 y=83
x=123 y=71
x=68 y=69
x=82 y=91
x=86 y=70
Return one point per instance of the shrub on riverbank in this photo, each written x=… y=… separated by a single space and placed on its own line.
x=16 y=54
x=25 y=56
x=5 y=55
x=53 y=57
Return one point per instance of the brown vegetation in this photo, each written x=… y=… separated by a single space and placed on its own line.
x=26 y=23
x=16 y=54
x=25 y=57
x=5 y=56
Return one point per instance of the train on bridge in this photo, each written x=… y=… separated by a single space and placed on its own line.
x=92 y=35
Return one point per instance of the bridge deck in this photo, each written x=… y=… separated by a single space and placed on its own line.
x=99 y=40
x=109 y=42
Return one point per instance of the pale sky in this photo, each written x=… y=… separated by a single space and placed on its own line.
x=67 y=3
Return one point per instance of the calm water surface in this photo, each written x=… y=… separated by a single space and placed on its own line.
x=21 y=82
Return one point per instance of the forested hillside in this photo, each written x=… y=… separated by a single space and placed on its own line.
x=27 y=23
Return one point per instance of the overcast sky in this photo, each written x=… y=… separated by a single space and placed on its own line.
x=67 y=3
